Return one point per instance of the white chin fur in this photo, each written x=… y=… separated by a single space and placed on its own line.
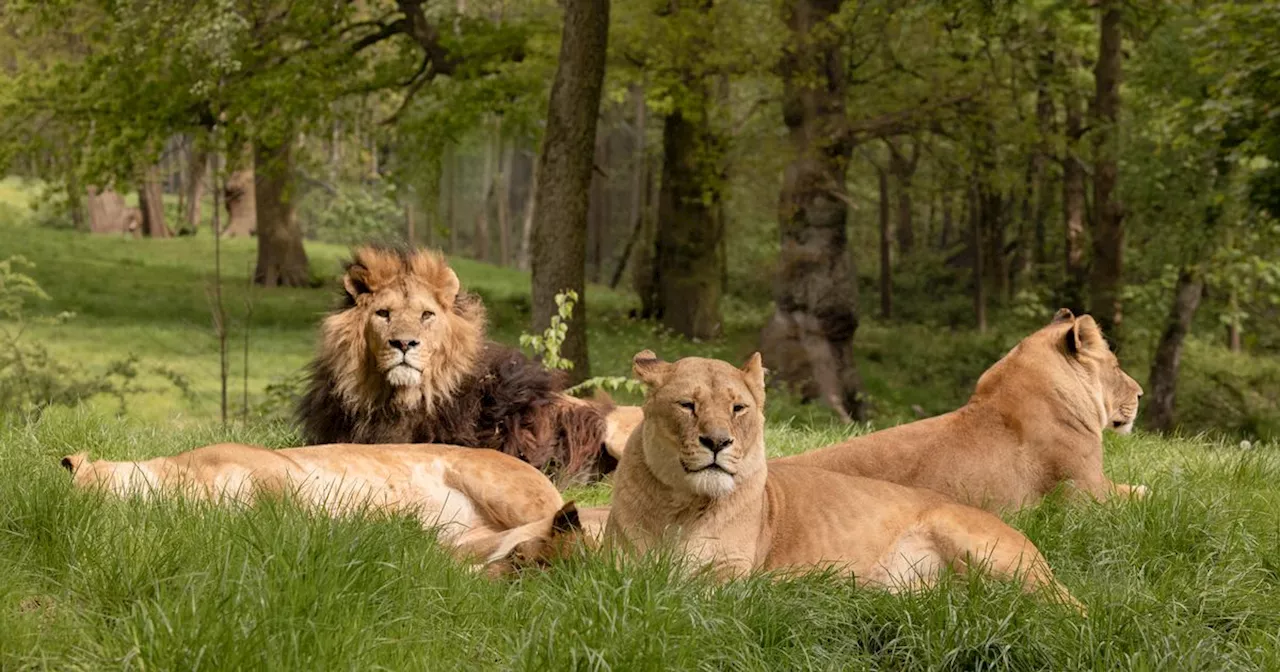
x=711 y=483
x=403 y=376
x=1126 y=428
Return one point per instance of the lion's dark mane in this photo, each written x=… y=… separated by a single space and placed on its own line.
x=508 y=403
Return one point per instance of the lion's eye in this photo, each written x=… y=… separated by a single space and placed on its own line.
x=426 y=315
x=384 y=313
x=687 y=405
x=739 y=408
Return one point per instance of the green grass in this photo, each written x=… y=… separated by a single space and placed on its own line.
x=1188 y=579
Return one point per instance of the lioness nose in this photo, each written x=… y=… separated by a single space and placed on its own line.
x=402 y=346
x=715 y=442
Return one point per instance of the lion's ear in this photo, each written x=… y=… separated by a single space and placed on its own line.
x=72 y=463
x=753 y=373
x=566 y=520
x=1085 y=335
x=356 y=280
x=649 y=369
x=1063 y=316
x=449 y=290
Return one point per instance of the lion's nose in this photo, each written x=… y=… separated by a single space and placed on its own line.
x=402 y=346
x=715 y=442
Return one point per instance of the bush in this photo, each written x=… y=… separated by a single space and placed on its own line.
x=353 y=214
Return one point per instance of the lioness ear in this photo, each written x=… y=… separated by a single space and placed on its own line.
x=566 y=519
x=649 y=369
x=753 y=372
x=1063 y=315
x=72 y=462
x=356 y=280
x=1085 y=335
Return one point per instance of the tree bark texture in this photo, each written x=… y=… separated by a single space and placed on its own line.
x=564 y=169
x=1073 y=205
x=689 y=222
x=193 y=187
x=151 y=204
x=282 y=261
x=239 y=193
x=1162 y=384
x=809 y=339
x=1106 y=275
x=108 y=213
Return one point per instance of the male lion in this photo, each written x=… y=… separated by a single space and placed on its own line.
x=1034 y=421
x=694 y=473
x=472 y=497
x=405 y=360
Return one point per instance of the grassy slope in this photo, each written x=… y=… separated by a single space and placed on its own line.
x=1186 y=580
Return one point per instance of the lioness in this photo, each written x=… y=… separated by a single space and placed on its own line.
x=469 y=496
x=694 y=473
x=405 y=360
x=1035 y=421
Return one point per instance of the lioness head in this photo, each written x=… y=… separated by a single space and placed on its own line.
x=1071 y=348
x=404 y=326
x=703 y=422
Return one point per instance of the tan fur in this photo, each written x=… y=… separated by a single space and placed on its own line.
x=470 y=496
x=732 y=511
x=1035 y=421
x=420 y=307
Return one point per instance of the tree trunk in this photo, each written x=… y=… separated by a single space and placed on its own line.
x=886 y=249
x=560 y=218
x=108 y=213
x=193 y=187
x=282 y=261
x=239 y=193
x=1163 y=382
x=1073 y=206
x=530 y=207
x=480 y=241
x=644 y=270
x=810 y=335
x=1045 y=115
x=1106 y=277
x=976 y=221
x=639 y=186
x=504 y=203
x=75 y=202
x=689 y=223
x=947 y=223
x=1233 y=323
x=151 y=203
x=903 y=169
x=449 y=178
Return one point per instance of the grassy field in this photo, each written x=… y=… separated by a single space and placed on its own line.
x=1188 y=579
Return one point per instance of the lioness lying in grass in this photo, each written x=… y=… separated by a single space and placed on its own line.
x=470 y=496
x=694 y=474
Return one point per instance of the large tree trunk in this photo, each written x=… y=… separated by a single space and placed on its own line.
x=1163 y=382
x=559 y=245
x=1073 y=205
x=151 y=204
x=1106 y=275
x=193 y=187
x=689 y=222
x=239 y=193
x=282 y=261
x=108 y=213
x=810 y=335
x=886 y=249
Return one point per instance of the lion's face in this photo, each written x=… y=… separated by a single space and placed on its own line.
x=1120 y=393
x=402 y=329
x=703 y=422
x=405 y=328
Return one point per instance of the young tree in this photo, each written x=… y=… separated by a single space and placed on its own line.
x=559 y=247
x=1106 y=279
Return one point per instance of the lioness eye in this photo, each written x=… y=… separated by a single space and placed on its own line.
x=687 y=405
x=384 y=313
x=738 y=408
x=426 y=315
